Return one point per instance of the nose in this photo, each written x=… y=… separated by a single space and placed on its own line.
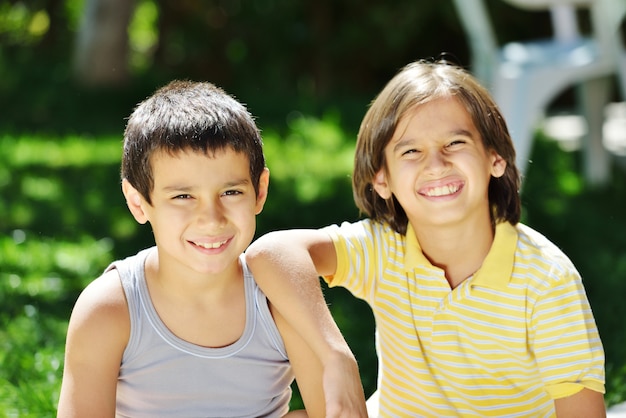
x=211 y=214
x=435 y=161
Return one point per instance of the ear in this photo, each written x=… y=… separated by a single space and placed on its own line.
x=498 y=165
x=264 y=183
x=380 y=184
x=134 y=202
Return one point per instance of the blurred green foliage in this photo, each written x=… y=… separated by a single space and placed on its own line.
x=307 y=71
x=63 y=220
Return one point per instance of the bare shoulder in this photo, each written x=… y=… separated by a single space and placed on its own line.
x=102 y=306
x=97 y=336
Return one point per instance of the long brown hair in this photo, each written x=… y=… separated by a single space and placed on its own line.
x=416 y=84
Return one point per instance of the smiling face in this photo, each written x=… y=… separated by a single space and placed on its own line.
x=204 y=207
x=437 y=166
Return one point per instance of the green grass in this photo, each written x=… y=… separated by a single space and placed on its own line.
x=63 y=219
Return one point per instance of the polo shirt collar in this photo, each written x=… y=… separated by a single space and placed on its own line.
x=495 y=271
x=497 y=268
x=413 y=255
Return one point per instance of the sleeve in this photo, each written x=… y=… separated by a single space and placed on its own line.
x=360 y=248
x=566 y=341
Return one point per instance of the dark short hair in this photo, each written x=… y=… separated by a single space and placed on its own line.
x=186 y=115
x=418 y=83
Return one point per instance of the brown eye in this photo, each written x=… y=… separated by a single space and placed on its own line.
x=456 y=142
x=232 y=193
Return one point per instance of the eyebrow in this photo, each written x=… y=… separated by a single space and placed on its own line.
x=180 y=188
x=401 y=143
x=463 y=132
x=175 y=188
x=241 y=182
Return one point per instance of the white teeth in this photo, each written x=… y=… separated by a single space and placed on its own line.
x=442 y=191
x=210 y=244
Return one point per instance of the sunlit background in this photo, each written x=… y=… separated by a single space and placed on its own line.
x=72 y=71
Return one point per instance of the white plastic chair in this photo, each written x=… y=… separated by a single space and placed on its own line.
x=525 y=77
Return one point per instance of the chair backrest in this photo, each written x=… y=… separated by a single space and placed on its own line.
x=562 y=14
x=481 y=37
x=606 y=16
x=547 y=4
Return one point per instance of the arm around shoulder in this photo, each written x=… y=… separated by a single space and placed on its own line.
x=306 y=367
x=96 y=338
x=287 y=266
x=287 y=251
x=346 y=400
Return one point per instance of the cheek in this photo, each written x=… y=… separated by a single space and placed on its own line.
x=405 y=173
x=171 y=215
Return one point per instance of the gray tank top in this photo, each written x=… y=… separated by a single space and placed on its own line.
x=162 y=375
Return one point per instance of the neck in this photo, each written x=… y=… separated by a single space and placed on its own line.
x=459 y=249
x=183 y=283
x=202 y=308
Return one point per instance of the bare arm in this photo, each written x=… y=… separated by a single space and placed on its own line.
x=306 y=366
x=584 y=404
x=96 y=337
x=287 y=266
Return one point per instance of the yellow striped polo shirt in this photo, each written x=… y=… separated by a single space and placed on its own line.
x=505 y=342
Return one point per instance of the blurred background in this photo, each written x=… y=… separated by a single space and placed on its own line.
x=71 y=72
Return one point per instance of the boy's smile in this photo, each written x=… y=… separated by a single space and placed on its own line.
x=210 y=245
x=439 y=191
x=437 y=167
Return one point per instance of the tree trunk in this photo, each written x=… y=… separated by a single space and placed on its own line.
x=101 y=54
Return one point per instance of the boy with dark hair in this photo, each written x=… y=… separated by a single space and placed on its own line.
x=181 y=329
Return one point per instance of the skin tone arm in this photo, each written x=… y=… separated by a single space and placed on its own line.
x=287 y=266
x=584 y=404
x=307 y=369
x=97 y=334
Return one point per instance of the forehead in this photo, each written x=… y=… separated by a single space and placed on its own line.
x=162 y=154
x=217 y=164
x=438 y=116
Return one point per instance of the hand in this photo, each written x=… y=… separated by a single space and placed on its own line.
x=343 y=390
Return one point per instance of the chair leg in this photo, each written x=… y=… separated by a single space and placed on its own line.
x=621 y=75
x=593 y=96
x=522 y=128
x=521 y=110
